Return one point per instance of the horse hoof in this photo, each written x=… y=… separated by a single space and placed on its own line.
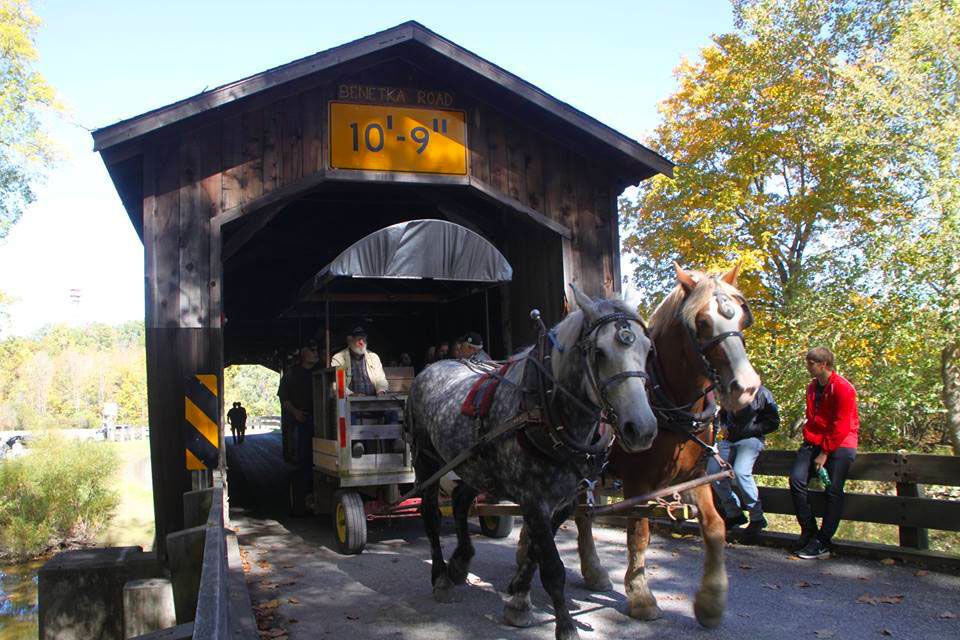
x=569 y=633
x=516 y=612
x=651 y=612
x=444 y=591
x=708 y=615
x=518 y=617
x=446 y=596
x=597 y=583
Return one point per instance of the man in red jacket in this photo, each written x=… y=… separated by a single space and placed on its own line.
x=829 y=441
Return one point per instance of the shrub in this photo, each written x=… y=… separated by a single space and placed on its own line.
x=60 y=491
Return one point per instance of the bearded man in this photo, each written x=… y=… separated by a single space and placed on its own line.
x=364 y=372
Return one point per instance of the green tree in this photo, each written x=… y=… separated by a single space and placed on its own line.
x=903 y=100
x=25 y=151
x=763 y=178
x=757 y=180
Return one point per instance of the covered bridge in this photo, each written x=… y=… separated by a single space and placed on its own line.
x=242 y=193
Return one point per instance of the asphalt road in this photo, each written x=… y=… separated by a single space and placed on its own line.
x=304 y=589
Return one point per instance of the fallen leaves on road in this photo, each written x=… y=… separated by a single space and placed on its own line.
x=746 y=567
x=263 y=564
x=888 y=561
x=267 y=605
x=771 y=585
x=886 y=632
x=353 y=617
x=803 y=584
x=273 y=634
x=947 y=615
x=875 y=600
x=825 y=633
x=293 y=601
x=921 y=573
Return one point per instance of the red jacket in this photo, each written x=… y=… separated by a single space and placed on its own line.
x=835 y=423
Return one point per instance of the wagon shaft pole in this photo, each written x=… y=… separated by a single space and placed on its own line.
x=630 y=503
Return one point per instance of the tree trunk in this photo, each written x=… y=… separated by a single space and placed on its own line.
x=950 y=374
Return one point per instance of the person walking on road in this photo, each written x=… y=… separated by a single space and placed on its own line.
x=829 y=442
x=740 y=441
x=233 y=419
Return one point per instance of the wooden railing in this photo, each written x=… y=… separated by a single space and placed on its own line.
x=909 y=510
x=223 y=604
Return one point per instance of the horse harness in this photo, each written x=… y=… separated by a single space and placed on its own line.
x=536 y=423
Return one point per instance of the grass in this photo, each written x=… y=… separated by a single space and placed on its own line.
x=132 y=523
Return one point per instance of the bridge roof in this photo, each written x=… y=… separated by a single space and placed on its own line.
x=636 y=160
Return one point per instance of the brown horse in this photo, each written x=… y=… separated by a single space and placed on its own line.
x=697 y=332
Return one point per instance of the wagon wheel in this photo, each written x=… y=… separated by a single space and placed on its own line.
x=496 y=526
x=349 y=522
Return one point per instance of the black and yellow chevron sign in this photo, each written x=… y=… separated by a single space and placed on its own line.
x=202 y=422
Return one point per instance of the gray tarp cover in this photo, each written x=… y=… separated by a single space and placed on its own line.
x=420 y=249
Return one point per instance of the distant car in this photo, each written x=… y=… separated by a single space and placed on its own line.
x=19 y=438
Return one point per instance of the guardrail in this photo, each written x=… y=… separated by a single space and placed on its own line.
x=267 y=422
x=223 y=604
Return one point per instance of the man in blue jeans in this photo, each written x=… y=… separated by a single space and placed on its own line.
x=740 y=441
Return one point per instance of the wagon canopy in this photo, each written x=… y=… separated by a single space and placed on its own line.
x=417 y=250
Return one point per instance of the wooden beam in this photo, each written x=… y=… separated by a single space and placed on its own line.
x=502 y=199
x=375 y=297
x=251 y=228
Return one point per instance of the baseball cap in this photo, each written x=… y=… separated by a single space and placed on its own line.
x=473 y=339
x=358 y=332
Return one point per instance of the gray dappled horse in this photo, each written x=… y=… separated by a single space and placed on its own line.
x=591 y=369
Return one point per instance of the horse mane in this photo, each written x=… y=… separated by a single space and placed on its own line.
x=678 y=303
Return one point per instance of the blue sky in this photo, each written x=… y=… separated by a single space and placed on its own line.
x=113 y=60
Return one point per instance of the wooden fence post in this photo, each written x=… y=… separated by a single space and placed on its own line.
x=911 y=537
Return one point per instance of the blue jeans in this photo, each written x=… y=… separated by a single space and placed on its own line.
x=741 y=454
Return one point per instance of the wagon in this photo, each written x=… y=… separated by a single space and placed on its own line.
x=361 y=455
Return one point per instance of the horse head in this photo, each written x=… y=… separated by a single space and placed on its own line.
x=715 y=314
x=610 y=360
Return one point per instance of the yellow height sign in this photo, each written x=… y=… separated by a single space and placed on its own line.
x=201 y=422
x=388 y=138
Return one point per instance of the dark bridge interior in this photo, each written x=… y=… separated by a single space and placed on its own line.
x=262 y=280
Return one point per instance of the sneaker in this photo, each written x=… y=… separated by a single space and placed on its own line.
x=805 y=537
x=733 y=522
x=753 y=529
x=815 y=549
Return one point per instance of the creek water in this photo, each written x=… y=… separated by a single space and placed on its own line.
x=18 y=600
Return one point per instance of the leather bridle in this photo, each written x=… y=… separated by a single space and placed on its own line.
x=673 y=413
x=599 y=410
